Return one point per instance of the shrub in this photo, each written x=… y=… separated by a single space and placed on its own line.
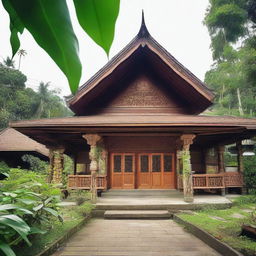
x=248 y=199
x=250 y=172
x=19 y=178
x=35 y=164
x=27 y=203
x=4 y=170
x=84 y=209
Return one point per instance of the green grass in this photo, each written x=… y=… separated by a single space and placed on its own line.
x=228 y=230
x=72 y=216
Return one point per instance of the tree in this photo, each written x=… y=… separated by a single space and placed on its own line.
x=8 y=62
x=229 y=21
x=18 y=102
x=50 y=24
x=233 y=75
x=21 y=53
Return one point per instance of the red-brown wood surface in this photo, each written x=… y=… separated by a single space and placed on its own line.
x=152 y=179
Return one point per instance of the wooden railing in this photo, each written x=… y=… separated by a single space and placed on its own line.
x=84 y=182
x=218 y=180
x=212 y=181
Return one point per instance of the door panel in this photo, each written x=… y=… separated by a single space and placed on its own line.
x=168 y=171
x=122 y=171
x=116 y=169
x=155 y=171
x=128 y=171
x=144 y=175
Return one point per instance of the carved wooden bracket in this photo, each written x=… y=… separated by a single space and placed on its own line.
x=187 y=140
x=92 y=139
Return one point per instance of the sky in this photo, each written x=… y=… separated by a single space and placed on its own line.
x=175 y=24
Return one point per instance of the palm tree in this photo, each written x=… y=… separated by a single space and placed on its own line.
x=8 y=62
x=21 y=53
x=44 y=100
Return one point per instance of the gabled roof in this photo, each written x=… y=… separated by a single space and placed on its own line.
x=14 y=141
x=186 y=83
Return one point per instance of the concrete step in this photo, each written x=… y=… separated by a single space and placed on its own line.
x=141 y=193
x=136 y=214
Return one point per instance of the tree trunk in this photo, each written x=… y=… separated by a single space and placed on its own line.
x=240 y=108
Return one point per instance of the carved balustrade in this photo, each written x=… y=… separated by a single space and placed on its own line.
x=218 y=180
x=84 y=182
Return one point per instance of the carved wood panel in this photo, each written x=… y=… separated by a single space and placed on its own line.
x=142 y=93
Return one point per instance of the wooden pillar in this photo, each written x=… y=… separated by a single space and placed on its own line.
x=187 y=140
x=92 y=140
x=75 y=163
x=240 y=156
x=240 y=162
x=56 y=165
x=221 y=164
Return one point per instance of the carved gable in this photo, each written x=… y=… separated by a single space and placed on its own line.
x=141 y=93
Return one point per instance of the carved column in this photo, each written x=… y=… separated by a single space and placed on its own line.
x=92 y=140
x=221 y=164
x=187 y=140
x=240 y=162
x=56 y=165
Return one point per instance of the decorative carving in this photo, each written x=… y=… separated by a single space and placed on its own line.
x=142 y=93
x=56 y=165
x=187 y=140
x=92 y=139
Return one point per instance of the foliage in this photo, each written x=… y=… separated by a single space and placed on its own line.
x=227 y=230
x=18 y=102
x=27 y=207
x=68 y=168
x=4 y=170
x=43 y=18
x=19 y=179
x=228 y=21
x=233 y=75
x=250 y=171
x=72 y=217
x=36 y=164
x=85 y=209
x=243 y=200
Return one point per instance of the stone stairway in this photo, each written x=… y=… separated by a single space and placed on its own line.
x=137 y=214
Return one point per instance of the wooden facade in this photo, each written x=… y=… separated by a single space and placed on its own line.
x=137 y=125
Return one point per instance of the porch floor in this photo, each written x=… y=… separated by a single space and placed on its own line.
x=156 y=200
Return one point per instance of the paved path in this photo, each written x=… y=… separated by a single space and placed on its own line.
x=134 y=238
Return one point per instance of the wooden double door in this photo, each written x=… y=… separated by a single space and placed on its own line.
x=142 y=171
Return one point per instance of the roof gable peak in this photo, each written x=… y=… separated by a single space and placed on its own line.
x=143 y=32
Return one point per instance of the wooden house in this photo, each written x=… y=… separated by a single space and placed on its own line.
x=137 y=125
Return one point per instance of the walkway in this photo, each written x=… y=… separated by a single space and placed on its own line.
x=134 y=238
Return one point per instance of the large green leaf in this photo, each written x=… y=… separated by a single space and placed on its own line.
x=19 y=225
x=49 y=23
x=16 y=26
x=6 y=249
x=98 y=18
x=6 y=207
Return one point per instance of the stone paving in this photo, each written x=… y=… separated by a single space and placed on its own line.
x=134 y=238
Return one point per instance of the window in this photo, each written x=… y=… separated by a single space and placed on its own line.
x=117 y=163
x=167 y=163
x=128 y=163
x=156 y=163
x=144 y=167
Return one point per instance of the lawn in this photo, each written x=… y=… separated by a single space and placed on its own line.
x=72 y=217
x=225 y=225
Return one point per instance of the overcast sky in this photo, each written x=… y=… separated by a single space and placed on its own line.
x=175 y=24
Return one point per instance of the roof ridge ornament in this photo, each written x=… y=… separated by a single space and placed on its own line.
x=143 y=32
